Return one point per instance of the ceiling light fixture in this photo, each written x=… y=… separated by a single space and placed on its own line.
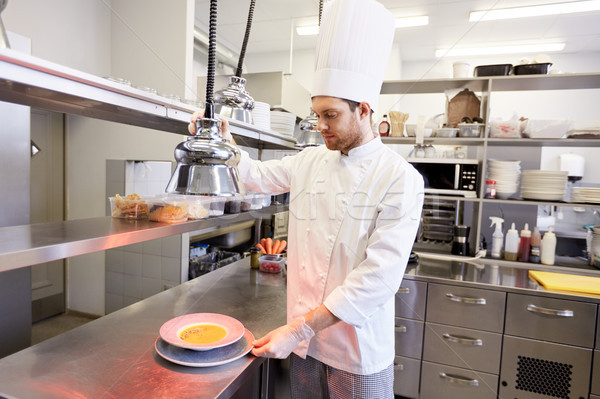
x=493 y=50
x=401 y=22
x=535 y=11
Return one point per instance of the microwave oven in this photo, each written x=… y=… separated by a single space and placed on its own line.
x=447 y=176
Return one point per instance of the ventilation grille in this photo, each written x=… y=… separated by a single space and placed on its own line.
x=544 y=377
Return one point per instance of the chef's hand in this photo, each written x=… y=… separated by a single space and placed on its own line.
x=280 y=342
x=225 y=133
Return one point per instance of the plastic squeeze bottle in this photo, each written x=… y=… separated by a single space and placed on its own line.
x=497 y=237
x=536 y=243
x=549 y=247
x=524 y=244
x=511 y=245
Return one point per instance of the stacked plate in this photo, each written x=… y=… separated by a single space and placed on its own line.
x=586 y=194
x=506 y=174
x=261 y=115
x=283 y=122
x=203 y=340
x=546 y=185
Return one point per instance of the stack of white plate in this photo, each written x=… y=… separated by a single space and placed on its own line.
x=506 y=174
x=283 y=122
x=548 y=185
x=586 y=194
x=261 y=114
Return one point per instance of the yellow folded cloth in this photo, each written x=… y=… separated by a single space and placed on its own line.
x=568 y=283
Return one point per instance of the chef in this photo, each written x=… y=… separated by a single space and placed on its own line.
x=354 y=210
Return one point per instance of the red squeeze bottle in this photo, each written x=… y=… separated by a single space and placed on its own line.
x=524 y=244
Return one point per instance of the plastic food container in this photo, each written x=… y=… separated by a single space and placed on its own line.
x=532 y=69
x=505 y=129
x=217 y=206
x=492 y=70
x=198 y=207
x=447 y=132
x=125 y=208
x=233 y=204
x=470 y=129
x=271 y=263
x=167 y=210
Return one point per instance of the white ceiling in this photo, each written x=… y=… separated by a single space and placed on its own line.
x=449 y=25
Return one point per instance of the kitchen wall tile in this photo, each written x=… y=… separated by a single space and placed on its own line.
x=141 y=188
x=114 y=260
x=167 y=285
x=171 y=269
x=132 y=263
x=114 y=283
x=153 y=247
x=127 y=300
x=113 y=303
x=136 y=248
x=171 y=246
x=132 y=286
x=151 y=286
x=151 y=266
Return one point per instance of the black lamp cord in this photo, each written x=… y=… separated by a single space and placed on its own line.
x=212 y=45
x=238 y=72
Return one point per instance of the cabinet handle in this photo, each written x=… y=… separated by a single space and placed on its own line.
x=455 y=379
x=403 y=290
x=552 y=312
x=466 y=299
x=398 y=366
x=462 y=340
x=400 y=329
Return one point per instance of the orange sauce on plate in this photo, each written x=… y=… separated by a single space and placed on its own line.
x=203 y=334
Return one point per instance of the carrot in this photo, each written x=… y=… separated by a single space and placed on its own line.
x=275 y=246
x=269 y=247
x=262 y=249
x=282 y=246
x=263 y=242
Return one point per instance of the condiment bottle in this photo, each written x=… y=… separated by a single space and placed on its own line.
x=536 y=243
x=497 y=237
x=511 y=245
x=254 y=255
x=384 y=126
x=490 y=189
x=548 y=247
x=524 y=244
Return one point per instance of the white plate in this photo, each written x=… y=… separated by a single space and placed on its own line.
x=213 y=357
x=170 y=330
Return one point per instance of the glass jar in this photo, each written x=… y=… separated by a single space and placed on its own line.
x=490 y=189
x=254 y=256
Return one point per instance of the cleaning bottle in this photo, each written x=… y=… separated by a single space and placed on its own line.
x=549 y=247
x=511 y=245
x=536 y=243
x=497 y=237
x=524 y=244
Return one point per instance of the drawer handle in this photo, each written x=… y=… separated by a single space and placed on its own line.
x=398 y=366
x=462 y=340
x=400 y=329
x=455 y=379
x=552 y=312
x=403 y=290
x=466 y=299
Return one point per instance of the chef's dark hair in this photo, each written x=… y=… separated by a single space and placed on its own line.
x=353 y=105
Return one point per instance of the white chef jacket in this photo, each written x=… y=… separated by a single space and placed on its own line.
x=352 y=223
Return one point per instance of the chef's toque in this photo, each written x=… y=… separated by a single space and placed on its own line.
x=353 y=48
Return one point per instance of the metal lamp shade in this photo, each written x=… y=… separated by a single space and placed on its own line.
x=206 y=164
x=234 y=102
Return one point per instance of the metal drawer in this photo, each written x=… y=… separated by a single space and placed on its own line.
x=535 y=369
x=409 y=337
x=410 y=300
x=406 y=377
x=467 y=348
x=549 y=319
x=438 y=381
x=596 y=373
x=594 y=397
x=466 y=307
x=598 y=333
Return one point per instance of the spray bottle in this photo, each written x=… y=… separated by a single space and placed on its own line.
x=497 y=237
x=511 y=247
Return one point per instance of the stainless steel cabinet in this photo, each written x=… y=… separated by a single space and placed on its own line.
x=406 y=377
x=409 y=337
x=411 y=299
x=596 y=373
x=439 y=381
x=461 y=347
x=549 y=319
x=534 y=369
x=466 y=307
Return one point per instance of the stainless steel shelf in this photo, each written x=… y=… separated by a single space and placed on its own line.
x=524 y=142
x=425 y=86
x=522 y=201
x=27 y=245
x=435 y=140
x=38 y=83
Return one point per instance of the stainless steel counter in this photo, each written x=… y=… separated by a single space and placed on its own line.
x=114 y=356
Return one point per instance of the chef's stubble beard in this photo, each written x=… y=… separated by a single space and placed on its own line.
x=351 y=139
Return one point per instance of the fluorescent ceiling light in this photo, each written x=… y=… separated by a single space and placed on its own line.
x=535 y=11
x=403 y=22
x=492 y=50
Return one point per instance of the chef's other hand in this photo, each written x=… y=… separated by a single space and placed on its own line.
x=280 y=342
x=225 y=133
